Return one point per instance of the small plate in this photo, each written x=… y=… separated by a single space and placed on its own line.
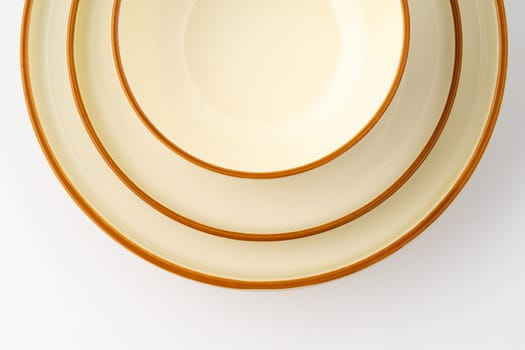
x=346 y=188
x=242 y=264
x=260 y=88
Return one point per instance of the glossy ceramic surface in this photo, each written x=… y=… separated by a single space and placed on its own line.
x=243 y=264
x=260 y=88
x=346 y=188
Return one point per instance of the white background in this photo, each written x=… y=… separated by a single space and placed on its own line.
x=65 y=285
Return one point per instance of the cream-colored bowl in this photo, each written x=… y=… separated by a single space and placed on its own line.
x=243 y=264
x=346 y=188
x=260 y=88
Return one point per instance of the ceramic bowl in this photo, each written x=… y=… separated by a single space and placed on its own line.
x=260 y=88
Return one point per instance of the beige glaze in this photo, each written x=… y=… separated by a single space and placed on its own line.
x=254 y=264
x=260 y=88
x=347 y=187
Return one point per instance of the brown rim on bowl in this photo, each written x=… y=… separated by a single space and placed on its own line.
x=139 y=111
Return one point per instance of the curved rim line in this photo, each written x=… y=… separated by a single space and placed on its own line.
x=240 y=284
x=139 y=111
x=250 y=236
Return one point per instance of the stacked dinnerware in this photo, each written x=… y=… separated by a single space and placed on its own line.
x=263 y=143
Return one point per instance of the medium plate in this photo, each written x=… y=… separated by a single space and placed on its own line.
x=346 y=188
x=282 y=264
x=260 y=89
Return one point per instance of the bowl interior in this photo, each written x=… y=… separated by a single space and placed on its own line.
x=260 y=86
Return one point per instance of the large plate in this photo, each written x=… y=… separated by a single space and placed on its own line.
x=280 y=264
